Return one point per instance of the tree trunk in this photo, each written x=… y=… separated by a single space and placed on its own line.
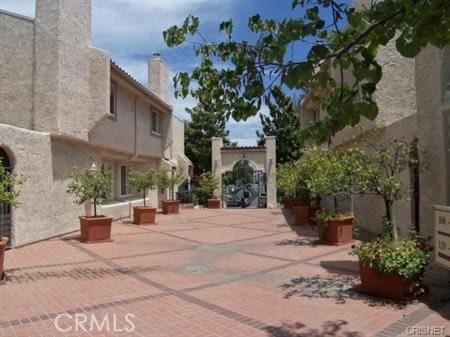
x=144 y=197
x=95 y=207
x=335 y=204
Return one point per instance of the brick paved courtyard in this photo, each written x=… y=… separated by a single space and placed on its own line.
x=203 y=273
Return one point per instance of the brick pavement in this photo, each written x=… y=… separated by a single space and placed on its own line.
x=204 y=273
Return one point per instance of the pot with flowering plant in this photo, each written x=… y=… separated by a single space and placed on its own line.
x=142 y=181
x=92 y=184
x=292 y=182
x=168 y=179
x=207 y=185
x=389 y=266
x=331 y=176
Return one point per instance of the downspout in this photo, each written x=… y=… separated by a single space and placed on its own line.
x=135 y=128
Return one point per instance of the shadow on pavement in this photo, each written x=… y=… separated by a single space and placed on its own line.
x=340 y=288
x=297 y=329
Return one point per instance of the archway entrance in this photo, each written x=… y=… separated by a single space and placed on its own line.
x=5 y=209
x=244 y=186
x=247 y=175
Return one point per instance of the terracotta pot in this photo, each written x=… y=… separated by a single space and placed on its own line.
x=95 y=229
x=288 y=204
x=301 y=214
x=214 y=203
x=338 y=232
x=3 y=242
x=304 y=214
x=144 y=215
x=170 y=206
x=381 y=284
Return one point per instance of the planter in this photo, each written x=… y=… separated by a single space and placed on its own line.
x=144 y=215
x=386 y=285
x=338 y=232
x=3 y=242
x=95 y=229
x=288 y=204
x=304 y=214
x=301 y=215
x=214 y=203
x=170 y=206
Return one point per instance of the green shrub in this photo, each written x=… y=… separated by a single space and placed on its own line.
x=407 y=258
x=142 y=181
x=90 y=184
x=9 y=183
x=207 y=184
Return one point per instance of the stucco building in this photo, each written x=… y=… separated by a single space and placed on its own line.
x=413 y=99
x=63 y=105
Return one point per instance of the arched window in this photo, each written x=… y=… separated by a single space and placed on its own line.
x=4 y=159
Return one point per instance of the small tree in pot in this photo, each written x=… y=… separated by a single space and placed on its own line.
x=388 y=266
x=168 y=179
x=208 y=184
x=292 y=181
x=331 y=175
x=9 y=196
x=92 y=184
x=142 y=181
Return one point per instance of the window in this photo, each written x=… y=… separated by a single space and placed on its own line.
x=156 y=122
x=113 y=100
x=125 y=189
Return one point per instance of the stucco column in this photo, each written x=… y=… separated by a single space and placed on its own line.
x=433 y=143
x=216 y=162
x=271 y=171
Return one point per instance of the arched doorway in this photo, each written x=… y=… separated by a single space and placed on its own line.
x=244 y=186
x=5 y=209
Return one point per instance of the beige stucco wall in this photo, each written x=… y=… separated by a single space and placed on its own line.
x=52 y=80
x=47 y=162
x=130 y=131
x=16 y=69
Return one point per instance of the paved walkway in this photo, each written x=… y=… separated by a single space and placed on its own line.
x=201 y=273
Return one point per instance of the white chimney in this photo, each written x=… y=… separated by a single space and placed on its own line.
x=158 y=77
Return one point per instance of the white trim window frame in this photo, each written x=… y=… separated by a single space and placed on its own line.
x=155 y=121
x=113 y=101
x=124 y=184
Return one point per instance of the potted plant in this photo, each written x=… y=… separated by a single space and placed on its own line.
x=142 y=181
x=292 y=182
x=168 y=179
x=392 y=268
x=389 y=266
x=9 y=195
x=208 y=184
x=331 y=175
x=92 y=184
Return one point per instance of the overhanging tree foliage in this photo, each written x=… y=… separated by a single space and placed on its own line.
x=283 y=122
x=204 y=125
x=239 y=74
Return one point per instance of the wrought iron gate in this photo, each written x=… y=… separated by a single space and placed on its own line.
x=250 y=193
x=5 y=209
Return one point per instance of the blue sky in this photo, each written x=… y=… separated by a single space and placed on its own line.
x=131 y=30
